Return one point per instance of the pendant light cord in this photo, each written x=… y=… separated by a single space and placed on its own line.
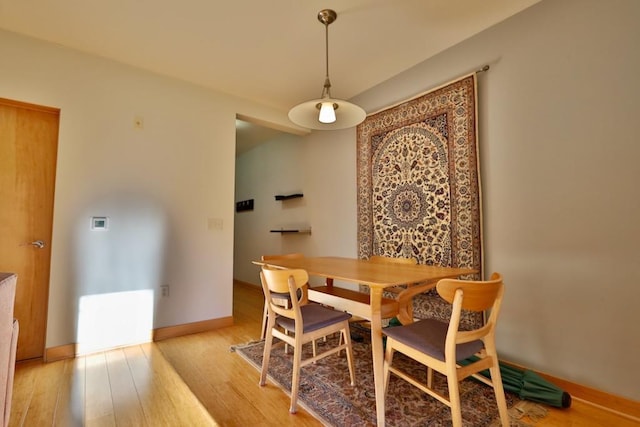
x=326 y=90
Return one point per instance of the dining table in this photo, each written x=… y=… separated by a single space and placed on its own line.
x=377 y=277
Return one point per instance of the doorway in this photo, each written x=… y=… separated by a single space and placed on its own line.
x=267 y=156
x=28 y=151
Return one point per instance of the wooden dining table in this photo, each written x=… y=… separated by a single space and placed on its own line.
x=377 y=276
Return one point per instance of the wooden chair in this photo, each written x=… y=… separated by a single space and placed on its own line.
x=307 y=321
x=440 y=345
x=283 y=299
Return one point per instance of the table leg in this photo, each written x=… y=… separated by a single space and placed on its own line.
x=329 y=283
x=377 y=352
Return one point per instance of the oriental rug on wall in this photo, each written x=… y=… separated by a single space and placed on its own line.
x=419 y=184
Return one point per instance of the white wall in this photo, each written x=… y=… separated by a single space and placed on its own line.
x=559 y=156
x=322 y=167
x=273 y=168
x=158 y=185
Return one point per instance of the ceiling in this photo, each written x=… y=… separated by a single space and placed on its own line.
x=271 y=52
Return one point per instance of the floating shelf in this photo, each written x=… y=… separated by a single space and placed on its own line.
x=292 y=231
x=289 y=196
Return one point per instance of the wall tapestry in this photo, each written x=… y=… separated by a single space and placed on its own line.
x=418 y=183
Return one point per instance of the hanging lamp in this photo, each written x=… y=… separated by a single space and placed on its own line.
x=327 y=113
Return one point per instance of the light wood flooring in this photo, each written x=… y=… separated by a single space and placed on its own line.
x=193 y=380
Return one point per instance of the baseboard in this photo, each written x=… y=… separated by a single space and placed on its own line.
x=69 y=351
x=620 y=405
x=191 y=328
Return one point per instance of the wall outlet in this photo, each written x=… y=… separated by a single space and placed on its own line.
x=164 y=291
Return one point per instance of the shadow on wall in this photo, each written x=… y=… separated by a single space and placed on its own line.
x=118 y=264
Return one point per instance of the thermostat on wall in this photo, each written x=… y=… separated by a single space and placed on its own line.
x=99 y=222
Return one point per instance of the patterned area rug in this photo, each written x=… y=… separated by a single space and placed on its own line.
x=325 y=391
x=418 y=184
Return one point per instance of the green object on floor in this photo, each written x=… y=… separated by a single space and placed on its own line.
x=527 y=384
x=394 y=322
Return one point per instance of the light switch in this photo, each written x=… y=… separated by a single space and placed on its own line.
x=99 y=223
x=214 y=223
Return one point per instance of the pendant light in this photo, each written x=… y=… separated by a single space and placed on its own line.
x=327 y=113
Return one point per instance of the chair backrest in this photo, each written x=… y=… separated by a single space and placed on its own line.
x=382 y=259
x=477 y=296
x=285 y=281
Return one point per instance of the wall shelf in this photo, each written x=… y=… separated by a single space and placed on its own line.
x=289 y=196
x=292 y=231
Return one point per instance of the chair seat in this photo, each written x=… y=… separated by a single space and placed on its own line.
x=428 y=336
x=314 y=316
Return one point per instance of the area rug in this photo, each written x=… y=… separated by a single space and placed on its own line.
x=325 y=391
x=418 y=183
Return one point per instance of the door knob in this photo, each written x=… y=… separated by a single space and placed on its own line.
x=38 y=244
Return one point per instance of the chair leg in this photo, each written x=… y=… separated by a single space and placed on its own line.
x=267 y=353
x=287 y=305
x=388 y=361
x=263 y=332
x=498 y=389
x=295 y=381
x=349 y=351
x=454 y=399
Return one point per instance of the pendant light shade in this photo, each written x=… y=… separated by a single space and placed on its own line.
x=327 y=113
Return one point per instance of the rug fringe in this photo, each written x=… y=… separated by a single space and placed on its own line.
x=531 y=410
x=234 y=347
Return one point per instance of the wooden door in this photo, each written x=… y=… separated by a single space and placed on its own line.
x=28 y=149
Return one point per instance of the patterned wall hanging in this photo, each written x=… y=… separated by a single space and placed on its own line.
x=419 y=182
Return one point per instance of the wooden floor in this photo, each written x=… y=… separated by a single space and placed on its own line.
x=188 y=381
